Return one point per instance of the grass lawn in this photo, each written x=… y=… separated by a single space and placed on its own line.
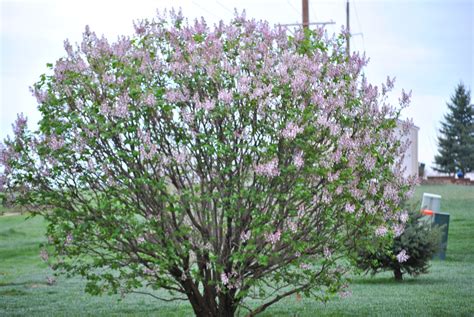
x=448 y=290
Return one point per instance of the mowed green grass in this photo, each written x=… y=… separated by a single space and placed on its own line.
x=448 y=290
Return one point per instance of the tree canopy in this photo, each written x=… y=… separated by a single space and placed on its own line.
x=221 y=164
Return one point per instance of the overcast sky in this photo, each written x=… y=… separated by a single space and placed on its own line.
x=427 y=45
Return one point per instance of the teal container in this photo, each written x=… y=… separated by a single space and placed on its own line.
x=442 y=219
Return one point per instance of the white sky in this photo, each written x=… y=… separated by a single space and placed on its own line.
x=427 y=45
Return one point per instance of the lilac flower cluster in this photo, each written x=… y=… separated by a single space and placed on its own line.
x=381 y=231
x=55 y=142
x=150 y=100
x=207 y=105
x=230 y=280
x=350 y=208
x=402 y=256
x=273 y=238
x=298 y=159
x=327 y=252
x=20 y=124
x=69 y=239
x=291 y=131
x=121 y=109
x=398 y=229
x=225 y=96
x=245 y=236
x=269 y=169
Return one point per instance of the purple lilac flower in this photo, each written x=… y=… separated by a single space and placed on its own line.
x=291 y=130
x=305 y=266
x=245 y=236
x=188 y=117
x=69 y=239
x=20 y=124
x=369 y=162
x=104 y=109
x=55 y=143
x=404 y=217
x=40 y=95
x=121 y=47
x=68 y=47
x=208 y=105
x=172 y=96
x=298 y=159
x=225 y=96
x=121 y=110
x=405 y=98
x=398 y=230
x=150 y=100
x=402 y=256
x=244 y=84
x=301 y=211
x=180 y=156
x=273 y=238
x=269 y=169
x=109 y=78
x=224 y=278
x=327 y=252
x=148 y=271
x=293 y=226
x=3 y=181
x=381 y=231
x=350 y=208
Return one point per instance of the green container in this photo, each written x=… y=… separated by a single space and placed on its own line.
x=442 y=219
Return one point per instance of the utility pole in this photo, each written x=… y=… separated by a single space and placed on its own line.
x=348 y=31
x=305 y=13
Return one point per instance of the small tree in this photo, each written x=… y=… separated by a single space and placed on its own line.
x=409 y=251
x=456 y=140
x=218 y=164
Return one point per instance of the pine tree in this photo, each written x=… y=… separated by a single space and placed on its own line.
x=408 y=253
x=456 y=139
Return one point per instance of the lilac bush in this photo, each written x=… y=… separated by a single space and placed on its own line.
x=232 y=166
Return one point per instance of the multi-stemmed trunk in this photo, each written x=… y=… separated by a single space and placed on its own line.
x=204 y=306
x=397 y=272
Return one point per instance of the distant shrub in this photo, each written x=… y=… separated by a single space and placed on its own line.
x=414 y=243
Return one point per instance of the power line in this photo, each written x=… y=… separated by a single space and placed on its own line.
x=205 y=10
x=314 y=12
x=224 y=7
x=359 y=25
x=293 y=7
x=311 y=23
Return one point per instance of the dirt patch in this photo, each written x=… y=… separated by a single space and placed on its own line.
x=7 y=214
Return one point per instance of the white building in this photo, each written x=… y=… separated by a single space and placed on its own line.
x=410 y=161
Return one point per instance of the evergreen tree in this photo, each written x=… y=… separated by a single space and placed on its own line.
x=407 y=253
x=456 y=140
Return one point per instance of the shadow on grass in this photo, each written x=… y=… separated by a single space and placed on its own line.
x=391 y=280
x=11 y=232
x=26 y=284
x=13 y=292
